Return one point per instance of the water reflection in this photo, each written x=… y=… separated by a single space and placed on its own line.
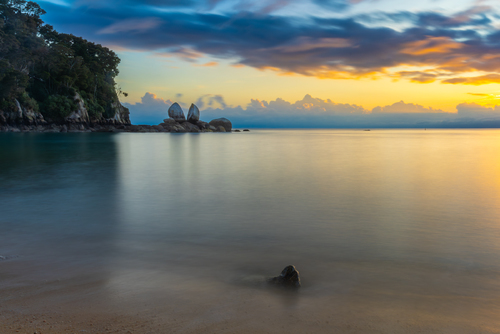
x=293 y=196
x=58 y=201
x=373 y=220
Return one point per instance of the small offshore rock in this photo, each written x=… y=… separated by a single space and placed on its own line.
x=289 y=277
x=193 y=114
x=189 y=127
x=246 y=130
x=159 y=128
x=132 y=128
x=224 y=122
x=203 y=125
x=169 y=121
x=236 y=130
x=175 y=112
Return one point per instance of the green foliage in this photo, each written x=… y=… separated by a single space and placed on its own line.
x=47 y=65
x=94 y=109
x=6 y=105
x=109 y=111
x=57 y=107
x=11 y=81
x=27 y=101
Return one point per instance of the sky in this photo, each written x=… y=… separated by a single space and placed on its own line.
x=302 y=63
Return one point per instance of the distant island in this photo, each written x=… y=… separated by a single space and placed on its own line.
x=55 y=82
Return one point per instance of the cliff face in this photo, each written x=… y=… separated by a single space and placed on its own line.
x=121 y=114
x=80 y=115
x=25 y=119
x=21 y=115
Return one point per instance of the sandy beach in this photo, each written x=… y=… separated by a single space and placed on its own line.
x=87 y=302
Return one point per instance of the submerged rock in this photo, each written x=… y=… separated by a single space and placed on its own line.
x=175 y=112
x=289 y=277
x=193 y=114
x=224 y=122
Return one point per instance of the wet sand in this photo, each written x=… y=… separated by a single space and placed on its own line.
x=79 y=301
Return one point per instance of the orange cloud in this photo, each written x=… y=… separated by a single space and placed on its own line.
x=476 y=81
x=418 y=77
x=431 y=45
x=478 y=94
x=210 y=64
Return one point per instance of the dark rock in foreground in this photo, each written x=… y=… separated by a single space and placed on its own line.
x=289 y=278
x=224 y=122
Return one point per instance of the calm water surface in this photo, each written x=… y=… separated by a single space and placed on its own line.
x=391 y=223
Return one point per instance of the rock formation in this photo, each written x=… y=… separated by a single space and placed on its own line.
x=193 y=114
x=175 y=112
x=289 y=278
x=23 y=119
x=21 y=115
x=122 y=114
x=224 y=122
x=80 y=115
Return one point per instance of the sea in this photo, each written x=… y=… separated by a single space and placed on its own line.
x=390 y=230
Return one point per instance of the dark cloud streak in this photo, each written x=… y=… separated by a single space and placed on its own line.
x=331 y=48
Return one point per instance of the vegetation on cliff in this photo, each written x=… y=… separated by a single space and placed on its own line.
x=44 y=70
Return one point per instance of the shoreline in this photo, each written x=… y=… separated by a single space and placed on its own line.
x=79 y=300
x=171 y=127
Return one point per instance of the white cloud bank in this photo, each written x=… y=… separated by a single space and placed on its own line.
x=313 y=112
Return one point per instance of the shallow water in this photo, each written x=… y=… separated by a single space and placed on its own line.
x=388 y=224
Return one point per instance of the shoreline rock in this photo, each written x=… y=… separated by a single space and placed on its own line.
x=193 y=114
x=176 y=113
x=79 y=121
x=222 y=122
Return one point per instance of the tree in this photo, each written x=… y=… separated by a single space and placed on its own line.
x=36 y=59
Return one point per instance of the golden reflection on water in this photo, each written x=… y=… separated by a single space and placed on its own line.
x=400 y=221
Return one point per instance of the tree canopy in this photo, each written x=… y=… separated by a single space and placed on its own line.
x=43 y=68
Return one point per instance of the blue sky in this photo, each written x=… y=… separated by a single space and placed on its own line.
x=373 y=55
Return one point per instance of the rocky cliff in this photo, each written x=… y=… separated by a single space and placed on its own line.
x=25 y=119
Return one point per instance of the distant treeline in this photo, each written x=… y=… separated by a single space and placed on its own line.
x=44 y=69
